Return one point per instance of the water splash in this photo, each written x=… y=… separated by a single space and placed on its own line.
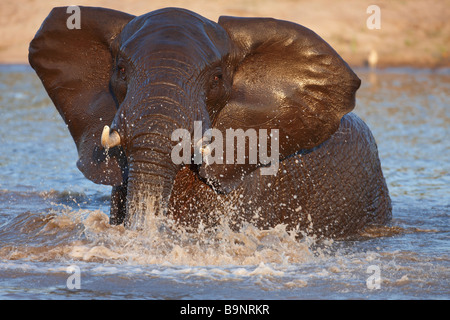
x=78 y=234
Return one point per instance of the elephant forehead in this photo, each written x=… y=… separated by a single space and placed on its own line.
x=176 y=28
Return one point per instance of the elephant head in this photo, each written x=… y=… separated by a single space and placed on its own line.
x=123 y=84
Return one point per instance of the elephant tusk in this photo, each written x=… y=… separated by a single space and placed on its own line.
x=204 y=148
x=110 y=140
x=206 y=151
x=203 y=141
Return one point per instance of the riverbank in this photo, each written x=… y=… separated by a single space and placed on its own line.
x=412 y=33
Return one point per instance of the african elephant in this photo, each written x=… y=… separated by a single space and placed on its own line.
x=124 y=84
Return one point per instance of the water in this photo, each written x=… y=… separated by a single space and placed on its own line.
x=52 y=218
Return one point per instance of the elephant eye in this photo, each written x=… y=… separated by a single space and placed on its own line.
x=217 y=91
x=217 y=78
x=119 y=84
x=122 y=71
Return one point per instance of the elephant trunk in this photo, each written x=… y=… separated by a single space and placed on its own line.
x=148 y=193
x=151 y=171
x=163 y=107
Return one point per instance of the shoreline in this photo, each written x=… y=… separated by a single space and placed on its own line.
x=21 y=66
x=411 y=34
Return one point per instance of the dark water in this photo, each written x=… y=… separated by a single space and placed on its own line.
x=52 y=218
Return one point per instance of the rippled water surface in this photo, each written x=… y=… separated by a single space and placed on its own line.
x=52 y=218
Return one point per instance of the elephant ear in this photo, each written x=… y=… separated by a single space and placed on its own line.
x=75 y=66
x=287 y=78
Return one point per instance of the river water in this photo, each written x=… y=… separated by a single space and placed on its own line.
x=55 y=241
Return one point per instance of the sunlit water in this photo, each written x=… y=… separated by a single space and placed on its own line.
x=51 y=217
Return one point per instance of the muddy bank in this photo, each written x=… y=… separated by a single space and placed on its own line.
x=412 y=33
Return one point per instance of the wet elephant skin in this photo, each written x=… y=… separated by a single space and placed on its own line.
x=123 y=84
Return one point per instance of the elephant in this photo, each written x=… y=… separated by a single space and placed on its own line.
x=124 y=84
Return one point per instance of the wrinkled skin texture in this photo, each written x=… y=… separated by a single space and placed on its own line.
x=147 y=76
